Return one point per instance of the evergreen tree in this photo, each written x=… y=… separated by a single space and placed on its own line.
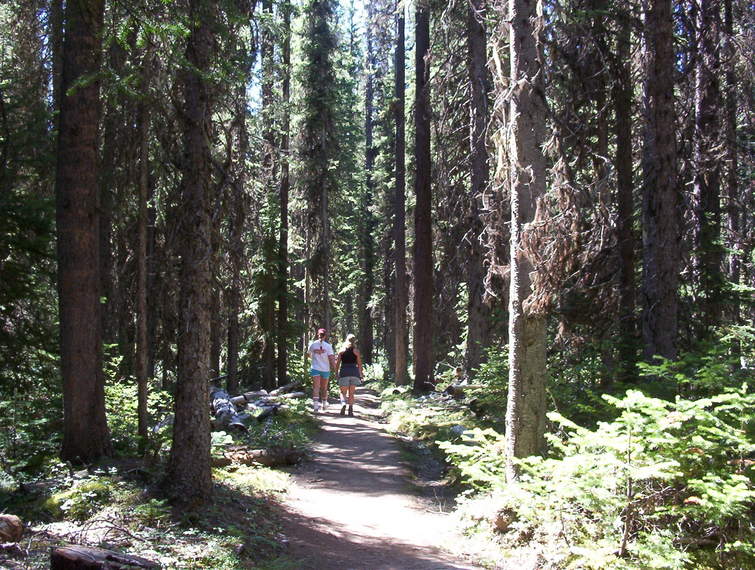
x=85 y=433
x=318 y=152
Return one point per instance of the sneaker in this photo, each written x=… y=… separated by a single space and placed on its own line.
x=324 y=405
x=315 y=406
x=351 y=411
x=343 y=410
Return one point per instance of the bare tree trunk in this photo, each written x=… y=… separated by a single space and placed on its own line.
x=367 y=223
x=478 y=324
x=85 y=433
x=525 y=411
x=142 y=343
x=189 y=477
x=423 y=250
x=622 y=101
x=216 y=322
x=285 y=186
x=56 y=46
x=730 y=150
x=707 y=180
x=270 y=245
x=660 y=197
x=399 y=225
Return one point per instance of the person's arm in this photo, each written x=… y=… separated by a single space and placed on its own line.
x=332 y=361
x=359 y=363
x=337 y=366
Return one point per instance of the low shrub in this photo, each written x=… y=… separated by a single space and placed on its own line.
x=665 y=485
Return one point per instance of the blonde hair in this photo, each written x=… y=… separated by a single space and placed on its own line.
x=350 y=342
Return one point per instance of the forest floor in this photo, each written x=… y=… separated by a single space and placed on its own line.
x=357 y=505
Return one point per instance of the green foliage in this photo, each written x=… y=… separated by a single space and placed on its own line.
x=493 y=376
x=426 y=423
x=152 y=512
x=82 y=500
x=292 y=429
x=121 y=405
x=665 y=485
x=714 y=366
x=478 y=457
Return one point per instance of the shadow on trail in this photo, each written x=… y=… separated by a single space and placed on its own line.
x=354 y=505
x=321 y=544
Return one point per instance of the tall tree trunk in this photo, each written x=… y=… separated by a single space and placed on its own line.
x=189 y=476
x=660 y=216
x=285 y=187
x=622 y=102
x=478 y=324
x=367 y=223
x=318 y=153
x=56 y=47
x=730 y=150
x=236 y=243
x=707 y=180
x=399 y=225
x=423 y=251
x=270 y=247
x=216 y=320
x=525 y=411
x=142 y=341
x=85 y=433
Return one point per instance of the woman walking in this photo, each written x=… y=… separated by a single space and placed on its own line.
x=321 y=353
x=349 y=371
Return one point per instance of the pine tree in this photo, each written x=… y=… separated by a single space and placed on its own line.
x=423 y=250
x=318 y=151
x=85 y=433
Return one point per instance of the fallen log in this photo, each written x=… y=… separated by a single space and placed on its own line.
x=286 y=388
x=222 y=407
x=274 y=457
x=85 y=558
x=291 y=396
x=262 y=410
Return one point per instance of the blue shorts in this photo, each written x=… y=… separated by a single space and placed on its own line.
x=322 y=373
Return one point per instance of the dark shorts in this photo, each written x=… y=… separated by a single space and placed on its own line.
x=350 y=381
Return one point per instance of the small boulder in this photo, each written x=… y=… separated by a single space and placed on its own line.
x=11 y=528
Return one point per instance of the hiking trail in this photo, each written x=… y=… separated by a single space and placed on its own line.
x=354 y=506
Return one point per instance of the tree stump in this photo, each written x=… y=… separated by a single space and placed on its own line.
x=85 y=558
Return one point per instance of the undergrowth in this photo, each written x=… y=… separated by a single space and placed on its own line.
x=638 y=481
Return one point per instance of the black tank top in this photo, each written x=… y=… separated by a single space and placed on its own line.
x=348 y=356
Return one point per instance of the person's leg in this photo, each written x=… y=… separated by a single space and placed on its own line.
x=352 y=389
x=324 y=390
x=344 y=398
x=316 y=380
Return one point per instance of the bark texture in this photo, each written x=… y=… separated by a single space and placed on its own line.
x=142 y=342
x=189 y=477
x=478 y=327
x=525 y=411
x=660 y=197
x=707 y=183
x=366 y=218
x=401 y=350
x=622 y=102
x=285 y=187
x=85 y=433
x=423 y=251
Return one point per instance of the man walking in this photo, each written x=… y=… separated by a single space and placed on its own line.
x=323 y=361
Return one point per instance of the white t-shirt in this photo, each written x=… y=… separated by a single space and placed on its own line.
x=319 y=350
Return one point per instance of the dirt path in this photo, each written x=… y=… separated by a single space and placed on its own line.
x=354 y=507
